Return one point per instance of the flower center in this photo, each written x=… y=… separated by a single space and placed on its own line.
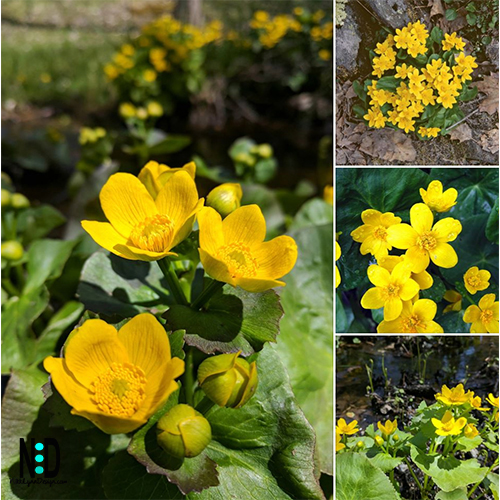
x=120 y=390
x=239 y=260
x=391 y=291
x=153 y=233
x=411 y=323
x=474 y=281
x=427 y=241
x=380 y=233
x=486 y=316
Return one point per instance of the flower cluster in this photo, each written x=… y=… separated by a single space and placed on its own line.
x=420 y=80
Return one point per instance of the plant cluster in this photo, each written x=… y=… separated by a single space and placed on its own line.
x=421 y=79
x=435 y=447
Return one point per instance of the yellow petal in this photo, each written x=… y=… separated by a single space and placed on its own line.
x=494 y=309
x=140 y=254
x=216 y=268
x=178 y=198
x=378 y=275
x=149 y=175
x=472 y=314
x=90 y=350
x=447 y=229
x=372 y=299
x=246 y=225
x=111 y=424
x=409 y=290
x=257 y=285
x=430 y=327
x=210 y=224
x=425 y=309
x=417 y=258
x=126 y=202
x=487 y=301
x=423 y=279
x=421 y=217
x=275 y=257
x=338 y=251
x=401 y=236
x=369 y=245
x=444 y=255
x=393 y=309
x=146 y=342
x=484 y=275
x=389 y=219
x=184 y=231
x=477 y=327
x=361 y=233
x=338 y=279
x=492 y=326
x=390 y=327
x=371 y=217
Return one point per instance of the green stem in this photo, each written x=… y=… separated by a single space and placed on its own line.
x=189 y=377
x=205 y=405
x=9 y=287
x=413 y=474
x=19 y=276
x=173 y=281
x=206 y=294
x=478 y=483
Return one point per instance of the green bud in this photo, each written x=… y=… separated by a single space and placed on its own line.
x=225 y=198
x=228 y=380
x=12 y=250
x=183 y=432
x=19 y=201
x=379 y=440
x=395 y=437
x=246 y=159
x=265 y=150
x=360 y=444
x=6 y=198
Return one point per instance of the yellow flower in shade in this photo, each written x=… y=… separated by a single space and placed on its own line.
x=424 y=279
x=140 y=227
x=149 y=75
x=343 y=428
x=470 y=431
x=155 y=175
x=448 y=426
x=414 y=318
x=127 y=110
x=373 y=233
x=484 y=318
x=476 y=280
x=475 y=402
x=328 y=194
x=455 y=396
x=492 y=400
x=388 y=428
x=436 y=200
x=423 y=241
x=233 y=250
x=116 y=379
x=390 y=290
x=456 y=301
x=339 y=445
x=338 y=253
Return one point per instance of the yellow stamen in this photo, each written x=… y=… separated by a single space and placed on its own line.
x=411 y=324
x=427 y=241
x=154 y=233
x=474 y=281
x=380 y=233
x=486 y=316
x=239 y=260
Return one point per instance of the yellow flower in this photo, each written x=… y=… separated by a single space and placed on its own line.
x=423 y=279
x=116 y=379
x=446 y=99
x=149 y=75
x=390 y=290
x=423 y=241
x=403 y=70
x=154 y=108
x=448 y=426
x=430 y=132
x=388 y=428
x=339 y=445
x=414 y=318
x=484 y=318
x=452 y=41
x=233 y=250
x=328 y=194
x=373 y=233
x=476 y=280
x=475 y=402
x=343 y=428
x=141 y=227
x=455 y=300
x=375 y=118
x=127 y=110
x=338 y=253
x=324 y=54
x=155 y=175
x=492 y=400
x=470 y=431
x=455 y=396
x=434 y=197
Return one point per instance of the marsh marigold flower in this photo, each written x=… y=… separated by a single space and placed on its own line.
x=455 y=396
x=338 y=253
x=155 y=175
x=233 y=250
x=476 y=280
x=141 y=227
x=455 y=300
x=390 y=290
x=116 y=379
x=492 y=400
x=414 y=318
x=339 y=445
x=423 y=241
x=475 y=402
x=438 y=200
x=344 y=428
x=373 y=233
x=388 y=428
x=424 y=279
x=470 y=431
x=448 y=426
x=484 y=318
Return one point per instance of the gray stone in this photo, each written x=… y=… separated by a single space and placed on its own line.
x=392 y=12
x=492 y=52
x=347 y=40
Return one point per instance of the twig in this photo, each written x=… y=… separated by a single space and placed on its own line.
x=462 y=120
x=368 y=10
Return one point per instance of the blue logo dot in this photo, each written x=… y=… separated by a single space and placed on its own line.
x=39 y=446
x=39 y=458
x=38 y=470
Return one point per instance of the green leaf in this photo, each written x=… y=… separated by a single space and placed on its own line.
x=492 y=481
x=492 y=224
x=468 y=94
x=118 y=288
x=359 y=90
x=437 y=35
x=36 y=222
x=46 y=260
x=356 y=477
x=390 y=83
x=359 y=110
x=265 y=170
x=471 y=7
x=384 y=461
x=471 y=19
x=458 y=494
x=436 y=292
x=467 y=444
x=306 y=340
x=232 y=320
x=448 y=473
x=171 y=144
x=314 y=212
x=451 y=14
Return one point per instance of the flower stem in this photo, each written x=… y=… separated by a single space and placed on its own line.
x=413 y=474
x=205 y=405
x=189 y=377
x=479 y=482
x=9 y=287
x=168 y=271
x=207 y=294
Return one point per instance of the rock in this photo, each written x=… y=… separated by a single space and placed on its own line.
x=347 y=42
x=391 y=12
x=492 y=52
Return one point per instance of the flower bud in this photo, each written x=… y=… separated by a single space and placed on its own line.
x=246 y=159
x=395 y=437
x=360 y=444
x=12 y=250
x=6 y=198
x=183 y=432
x=127 y=110
x=18 y=200
x=265 y=150
x=228 y=380
x=154 y=108
x=142 y=113
x=225 y=198
x=379 y=441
